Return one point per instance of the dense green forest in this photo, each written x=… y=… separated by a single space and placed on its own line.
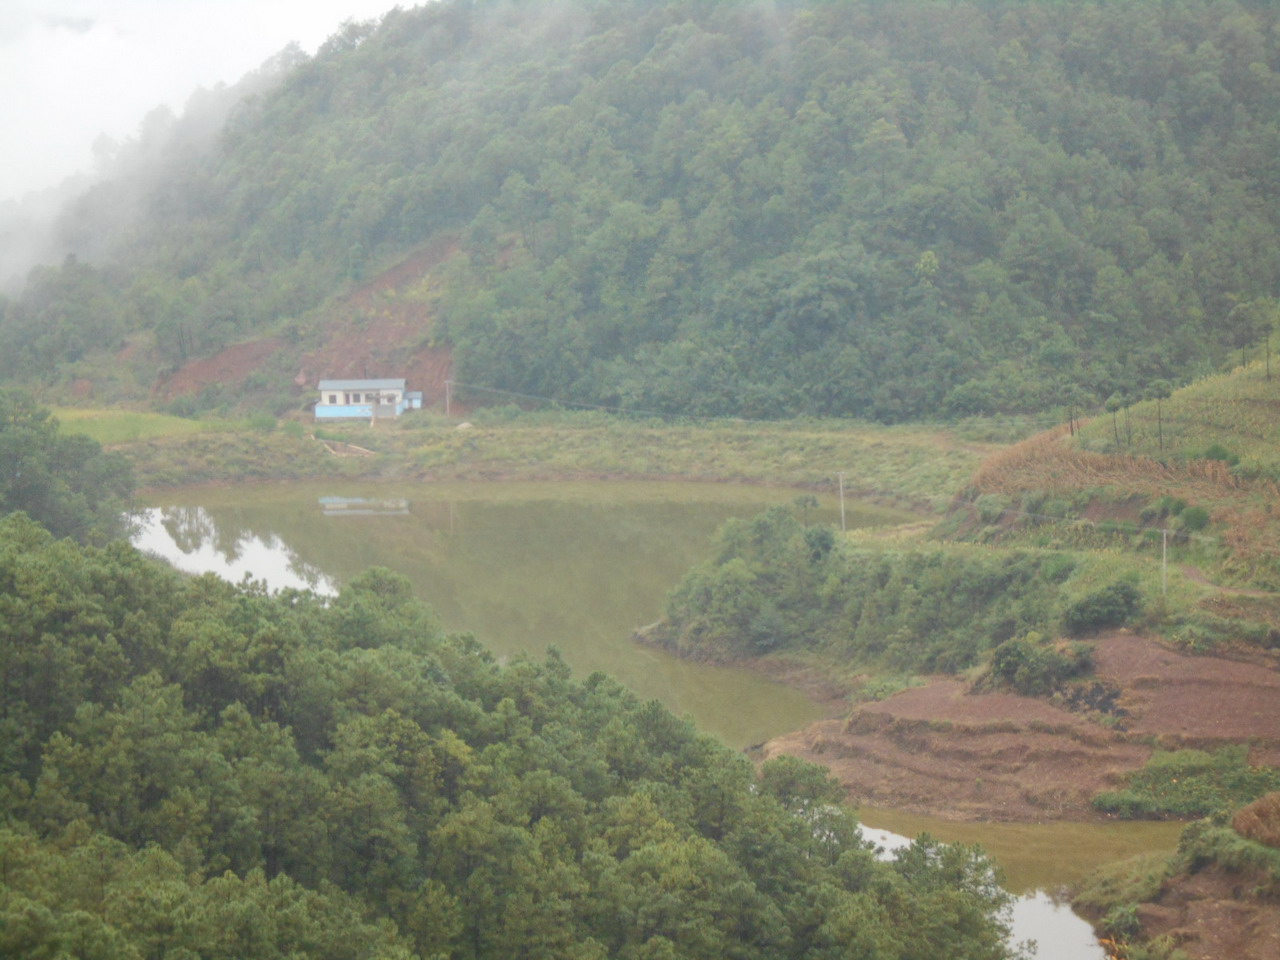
x=64 y=481
x=888 y=210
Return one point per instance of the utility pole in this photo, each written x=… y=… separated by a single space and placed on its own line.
x=841 y=476
x=1164 y=562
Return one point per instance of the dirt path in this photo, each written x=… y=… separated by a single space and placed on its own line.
x=941 y=750
x=1196 y=575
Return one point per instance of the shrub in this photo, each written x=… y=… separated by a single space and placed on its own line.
x=1218 y=452
x=1057 y=567
x=262 y=422
x=1191 y=783
x=1162 y=507
x=1260 y=820
x=1206 y=842
x=1033 y=669
x=1111 y=606
x=1193 y=519
x=882 y=688
x=991 y=507
x=1122 y=922
x=1134 y=880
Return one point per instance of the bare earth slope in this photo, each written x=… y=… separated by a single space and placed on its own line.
x=379 y=331
x=941 y=750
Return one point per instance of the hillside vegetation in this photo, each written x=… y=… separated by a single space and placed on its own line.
x=759 y=209
x=1164 y=517
x=1201 y=464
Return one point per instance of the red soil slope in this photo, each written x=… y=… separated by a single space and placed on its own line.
x=942 y=750
x=376 y=332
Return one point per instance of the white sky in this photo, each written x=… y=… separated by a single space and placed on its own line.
x=73 y=69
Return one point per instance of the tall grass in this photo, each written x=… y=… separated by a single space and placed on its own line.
x=112 y=427
x=1237 y=412
x=1214 y=445
x=910 y=464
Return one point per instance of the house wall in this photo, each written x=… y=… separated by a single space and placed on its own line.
x=345 y=395
x=339 y=411
x=359 y=411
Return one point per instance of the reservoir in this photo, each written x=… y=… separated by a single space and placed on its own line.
x=580 y=566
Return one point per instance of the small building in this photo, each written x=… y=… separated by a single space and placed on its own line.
x=365 y=399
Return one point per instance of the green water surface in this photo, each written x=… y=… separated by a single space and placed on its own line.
x=522 y=566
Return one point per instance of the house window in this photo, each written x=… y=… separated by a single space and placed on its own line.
x=333 y=398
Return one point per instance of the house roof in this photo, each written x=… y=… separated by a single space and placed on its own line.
x=361 y=384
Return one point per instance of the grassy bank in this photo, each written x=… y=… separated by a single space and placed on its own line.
x=114 y=427
x=915 y=466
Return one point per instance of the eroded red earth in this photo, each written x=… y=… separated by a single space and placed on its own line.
x=378 y=331
x=943 y=750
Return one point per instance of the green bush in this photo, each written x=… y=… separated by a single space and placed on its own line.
x=1206 y=842
x=1112 y=606
x=1193 y=519
x=1034 y=669
x=991 y=507
x=1121 y=922
x=1162 y=507
x=1218 y=452
x=262 y=422
x=1190 y=783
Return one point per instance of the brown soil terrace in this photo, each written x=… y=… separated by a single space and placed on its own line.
x=943 y=750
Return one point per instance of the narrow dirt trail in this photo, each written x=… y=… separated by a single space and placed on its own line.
x=1196 y=575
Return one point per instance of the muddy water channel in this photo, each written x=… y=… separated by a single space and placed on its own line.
x=524 y=566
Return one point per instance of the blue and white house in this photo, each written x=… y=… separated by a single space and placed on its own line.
x=365 y=399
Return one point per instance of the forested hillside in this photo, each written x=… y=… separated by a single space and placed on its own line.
x=889 y=210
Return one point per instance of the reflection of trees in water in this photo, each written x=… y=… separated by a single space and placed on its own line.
x=313 y=577
x=188 y=527
x=195 y=529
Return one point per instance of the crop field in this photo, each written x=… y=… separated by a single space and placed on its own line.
x=1234 y=417
x=1213 y=445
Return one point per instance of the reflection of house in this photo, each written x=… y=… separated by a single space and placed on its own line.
x=365 y=399
x=362 y=506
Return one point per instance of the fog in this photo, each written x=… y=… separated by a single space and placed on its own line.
x=72 y=71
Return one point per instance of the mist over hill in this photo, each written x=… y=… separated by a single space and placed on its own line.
x=885 y=210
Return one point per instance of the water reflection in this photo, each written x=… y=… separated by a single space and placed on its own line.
x=1056 y=931
x=190 y=539
x=521 y=566
x=363 y=506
